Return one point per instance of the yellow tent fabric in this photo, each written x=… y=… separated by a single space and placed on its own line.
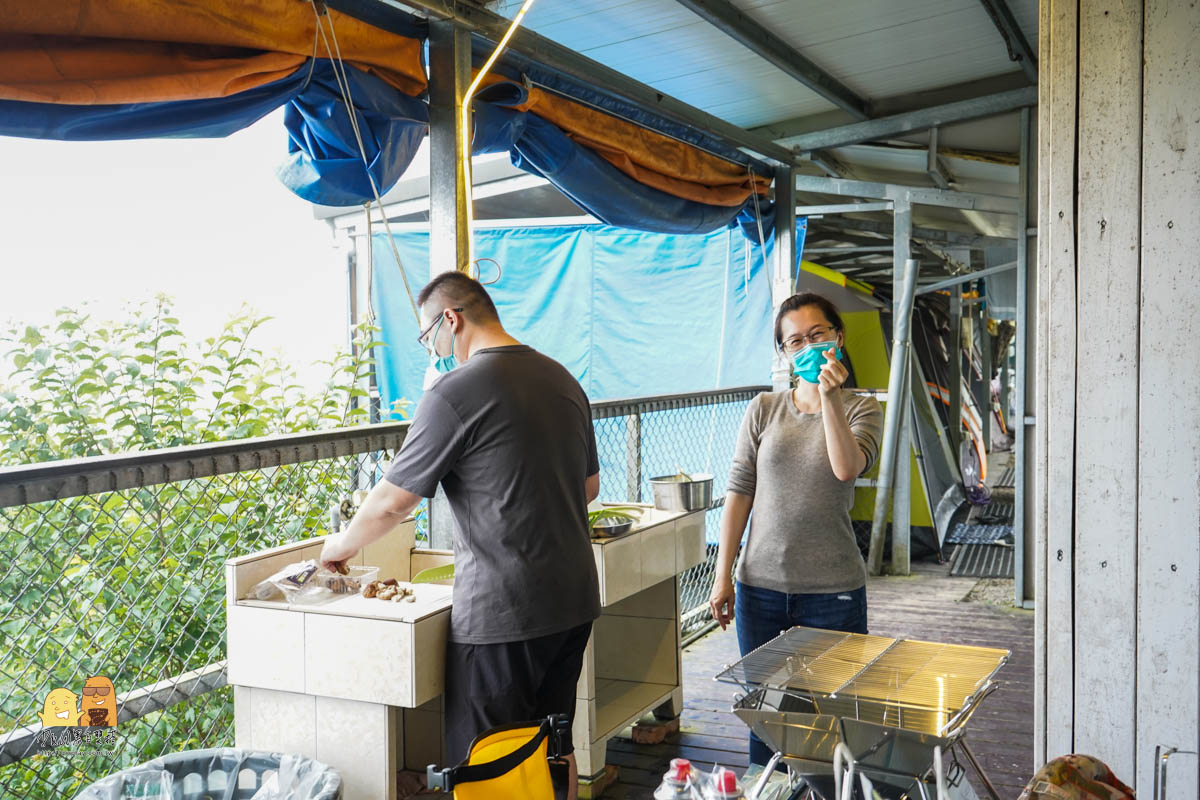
x=137 y=51
x=651 y=158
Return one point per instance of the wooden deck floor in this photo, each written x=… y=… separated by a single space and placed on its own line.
x=927 y=605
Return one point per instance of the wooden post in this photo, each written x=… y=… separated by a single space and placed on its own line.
x=1117 y=441
x=1054 y=632
x=1168 y=503
x=1106 y=444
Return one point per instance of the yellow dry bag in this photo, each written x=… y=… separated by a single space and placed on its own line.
x=508 y=762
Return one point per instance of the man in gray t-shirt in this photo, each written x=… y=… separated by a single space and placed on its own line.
x=508 y=434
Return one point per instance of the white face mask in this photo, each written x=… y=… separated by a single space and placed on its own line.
x=431 y=377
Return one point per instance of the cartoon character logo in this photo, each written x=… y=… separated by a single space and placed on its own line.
x=99 y=703
x=60 y=709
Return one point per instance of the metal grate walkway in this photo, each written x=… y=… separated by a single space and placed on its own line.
x=982 y=561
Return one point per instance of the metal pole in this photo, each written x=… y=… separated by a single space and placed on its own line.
x=902 y=496
x=985 y=368
x=633 y=457
x=1005 y=368
x=967 y=278
x=449 y=76
x=785 y=263
x=954 y=417
x=1025 y=397
x=892 y=416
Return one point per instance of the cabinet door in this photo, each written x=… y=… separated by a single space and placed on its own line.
x=689 y=540
x=658 y=554
x=620 y=568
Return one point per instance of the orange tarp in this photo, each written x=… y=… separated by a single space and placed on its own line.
x=136 y=51
x=651 y=158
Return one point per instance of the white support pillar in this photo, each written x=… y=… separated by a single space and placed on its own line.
x=785 y=264
x=1168 y=354
x=904 y=271
x=1118 y=505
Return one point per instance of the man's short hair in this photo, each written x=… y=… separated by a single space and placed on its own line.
x=456 y=290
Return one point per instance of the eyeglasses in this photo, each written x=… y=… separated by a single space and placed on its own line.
x=91 y=690
x=425 y=333
x=819 y=333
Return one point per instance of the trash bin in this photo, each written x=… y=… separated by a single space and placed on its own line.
x=222 y=773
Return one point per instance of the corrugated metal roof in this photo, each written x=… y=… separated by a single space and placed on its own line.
x=879 y=48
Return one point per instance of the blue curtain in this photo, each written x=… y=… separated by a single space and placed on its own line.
x=628 y=313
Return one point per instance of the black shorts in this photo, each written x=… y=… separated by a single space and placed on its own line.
x=489 y=685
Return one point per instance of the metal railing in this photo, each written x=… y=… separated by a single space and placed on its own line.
x=114 y=567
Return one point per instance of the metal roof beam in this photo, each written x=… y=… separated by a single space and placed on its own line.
x=972 y=241
x=731 y=21
x=936 y=169
x=556 y=58
x=896 y=193
x=966 y=276
x=1014 y=39
x=911 y=121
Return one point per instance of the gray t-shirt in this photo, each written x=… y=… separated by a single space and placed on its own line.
x=800 y=539
x=509 y=436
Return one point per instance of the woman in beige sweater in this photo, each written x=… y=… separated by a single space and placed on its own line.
x=797 y=457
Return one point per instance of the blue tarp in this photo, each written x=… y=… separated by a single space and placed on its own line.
x=215 y=117
x=628 y=313
x=323 y=163
x=542 y=148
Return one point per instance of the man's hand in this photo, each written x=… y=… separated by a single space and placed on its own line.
x=336 y=552
x=833 y=374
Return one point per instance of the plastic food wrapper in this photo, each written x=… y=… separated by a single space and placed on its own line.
x=221 y=773
x=780 y=785
x=307 y=582
x=298 y=778
x=144 y=783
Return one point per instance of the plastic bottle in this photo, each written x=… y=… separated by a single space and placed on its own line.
x=676 y=784
x=725 y=786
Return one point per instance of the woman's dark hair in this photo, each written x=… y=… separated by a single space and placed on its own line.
x=798 y=301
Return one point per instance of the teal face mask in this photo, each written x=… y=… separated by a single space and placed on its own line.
x=807 y=362
x=442 y=364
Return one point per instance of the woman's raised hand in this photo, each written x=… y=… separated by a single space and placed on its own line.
x=833 y=374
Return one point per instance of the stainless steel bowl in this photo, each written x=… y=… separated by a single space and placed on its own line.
x=611 y=527
x=677 y=493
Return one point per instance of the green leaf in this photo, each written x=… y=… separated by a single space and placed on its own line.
x=434 y=574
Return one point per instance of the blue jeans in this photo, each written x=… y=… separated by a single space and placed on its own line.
x=761 y=614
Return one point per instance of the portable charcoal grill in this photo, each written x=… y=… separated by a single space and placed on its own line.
x=890 y=702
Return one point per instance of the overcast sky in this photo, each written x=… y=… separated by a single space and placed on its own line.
x=202 y=220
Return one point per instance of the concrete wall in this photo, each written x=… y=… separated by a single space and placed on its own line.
x=1118 y=415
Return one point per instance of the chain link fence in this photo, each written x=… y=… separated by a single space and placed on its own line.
x=647 y=438
x=115 y=567
x=121 y=576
